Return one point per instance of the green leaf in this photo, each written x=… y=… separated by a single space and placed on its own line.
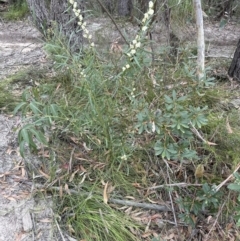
x=169 y=107
x=21 y=148
x=54 y=109
x=19 y=106
x=158 y=148
x=24 y=135
x=136 y=60
x=168 y=99
x=34 y=108
x=174 y=95
x=222 y=23
x=39 y=136
x=206 y=188
x=182 y=98
x=234 y=187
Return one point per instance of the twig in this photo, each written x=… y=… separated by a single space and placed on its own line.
x=168 y=167
x=195 y=131
x=70 y=161
x=228 y=178
x=170 y=196
x=215 y=222
x=58 y=227
x=181 y=184
x=162 y=208
x=114 y=22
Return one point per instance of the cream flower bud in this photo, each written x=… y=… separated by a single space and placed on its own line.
x=75 y=5
x=144 y=28
x=133 y=51
x=138 y=45
x=134 y=41
x=150 y=4
x=151 y=12
x=71 y=1
x=127 y=66
x=92 y=44
x=123 y=69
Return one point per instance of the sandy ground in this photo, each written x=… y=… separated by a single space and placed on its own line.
x=23 y=217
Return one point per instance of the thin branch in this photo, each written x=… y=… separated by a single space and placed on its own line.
x=215 y=222
x=170 y=196
x=196 y=132
x=162 y=208
x=70 y=161
x=228 y=178
x=114 y=22
x=58 y=227
x=181 y=184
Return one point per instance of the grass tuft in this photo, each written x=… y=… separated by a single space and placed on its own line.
x=17 y=11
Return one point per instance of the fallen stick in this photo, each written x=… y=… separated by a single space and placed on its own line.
x=158 y=207
x=162 y=208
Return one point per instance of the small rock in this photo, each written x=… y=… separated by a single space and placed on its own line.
x=27 y=221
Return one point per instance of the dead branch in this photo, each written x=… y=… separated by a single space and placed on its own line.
x=162 y=208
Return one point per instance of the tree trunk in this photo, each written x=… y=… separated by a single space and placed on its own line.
x=48 y=13
x=200 y=40
x=125 y=7
x=234 y=69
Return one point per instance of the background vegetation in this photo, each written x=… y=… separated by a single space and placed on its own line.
x=131 y=128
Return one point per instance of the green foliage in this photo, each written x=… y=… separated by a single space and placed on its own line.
x=182 y=12
x=236 y=188
x=173 y=127
x=207 y=199
x=91 y=219
x=17 y=11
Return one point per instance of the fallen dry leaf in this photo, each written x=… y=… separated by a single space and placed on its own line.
x=46 y=220
x=61 y=191
x=229 y=129
x=105 y=196
x=199 y=171
x=67 y=189
x=44 y=174
x=73 y=175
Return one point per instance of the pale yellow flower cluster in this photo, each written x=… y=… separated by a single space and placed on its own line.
x=132 y=93
x=136 y=43
x=148 y=14
x=81 y=23
x=124 y=157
